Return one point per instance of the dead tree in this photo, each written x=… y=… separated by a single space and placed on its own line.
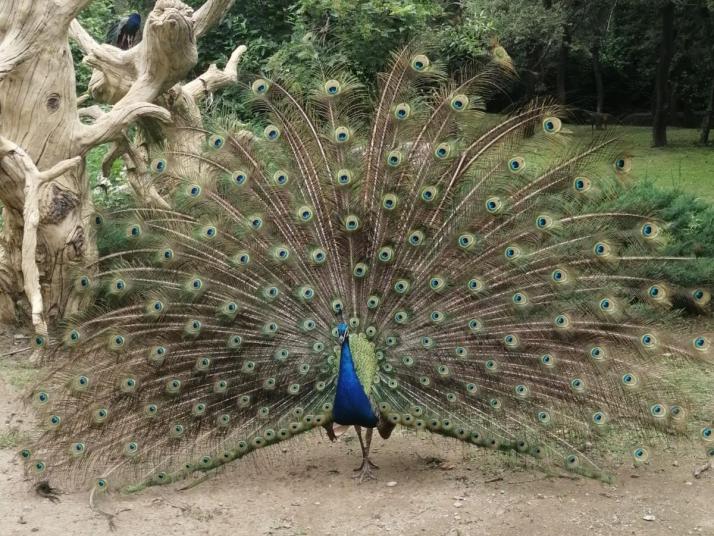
x=45 y=134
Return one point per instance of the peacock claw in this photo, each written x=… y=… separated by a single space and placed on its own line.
x=366 y=470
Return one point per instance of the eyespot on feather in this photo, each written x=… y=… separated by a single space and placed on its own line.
x=552 y=125
x=420 y=63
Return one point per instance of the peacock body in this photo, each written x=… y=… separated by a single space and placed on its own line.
x=402 y=260
x=125 y=32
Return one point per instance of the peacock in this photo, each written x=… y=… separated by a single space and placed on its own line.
x=374 y=258
x=125 y=32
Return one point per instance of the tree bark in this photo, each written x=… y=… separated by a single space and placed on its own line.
x=661 y=100
x=38 y=109
x=599 y=84
x=43 y=183
x=708 y=115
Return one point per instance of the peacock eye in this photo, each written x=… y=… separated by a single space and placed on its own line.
x=394 y=158
x=551 y=125
x=352 y=222
x=581 y=184
x=466 y=241
x=428 y=194
x=442 y=151
x=622 y=164
x=333 y=87
x=260 y=86
x=159 y=165
x=402 y=111
x=342 y=134
x=641 y=455
x=420 y=63
x=344 y=177
x=558 y=276
x=516 y=164
x=271 y=132
x=459 y=102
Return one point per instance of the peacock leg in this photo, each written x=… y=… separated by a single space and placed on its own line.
x=366 y=469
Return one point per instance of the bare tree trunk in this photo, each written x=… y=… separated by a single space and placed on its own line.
x=707 y=120
x=42 y=115
x=563 y=67
x=43 y=183
x=599 y=85
x=661 y=101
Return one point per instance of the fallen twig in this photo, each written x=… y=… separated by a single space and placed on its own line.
x=8 y=354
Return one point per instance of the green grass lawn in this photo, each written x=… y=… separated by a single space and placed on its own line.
x=681 y=165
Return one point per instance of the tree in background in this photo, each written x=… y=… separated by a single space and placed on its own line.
x=664 y=62
x=707 y=55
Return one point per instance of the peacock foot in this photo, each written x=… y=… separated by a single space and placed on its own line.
x=366 y=470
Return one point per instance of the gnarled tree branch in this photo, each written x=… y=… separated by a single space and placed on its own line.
x=17 y=162
x=209 y=14
x=214 y=79
x=110 y=125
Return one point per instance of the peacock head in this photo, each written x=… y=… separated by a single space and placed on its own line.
x=342 y=331
x=134 y=21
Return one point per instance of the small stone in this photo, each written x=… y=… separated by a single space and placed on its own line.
x=648 y=517
x=458 y=504
x=391 y=484
x=675 y=463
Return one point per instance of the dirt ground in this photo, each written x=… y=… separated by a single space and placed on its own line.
x=426 y=485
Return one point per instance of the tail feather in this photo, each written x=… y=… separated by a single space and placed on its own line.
x=507 y=296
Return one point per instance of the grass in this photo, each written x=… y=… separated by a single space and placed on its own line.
x=681 y=165
x=18 y=374
x=11 y=439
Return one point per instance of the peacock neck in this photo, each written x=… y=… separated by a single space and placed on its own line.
x=351 y=405
x=347 y=364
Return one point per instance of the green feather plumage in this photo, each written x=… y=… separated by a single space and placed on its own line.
x=498 y=290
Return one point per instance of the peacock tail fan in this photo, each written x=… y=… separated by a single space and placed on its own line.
x=496 y=289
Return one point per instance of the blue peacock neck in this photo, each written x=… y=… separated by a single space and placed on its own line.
x=351 y=405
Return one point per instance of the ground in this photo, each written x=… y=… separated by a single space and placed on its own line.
x=426 y=485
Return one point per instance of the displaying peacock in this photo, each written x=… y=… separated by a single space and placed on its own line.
x=403 y=259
